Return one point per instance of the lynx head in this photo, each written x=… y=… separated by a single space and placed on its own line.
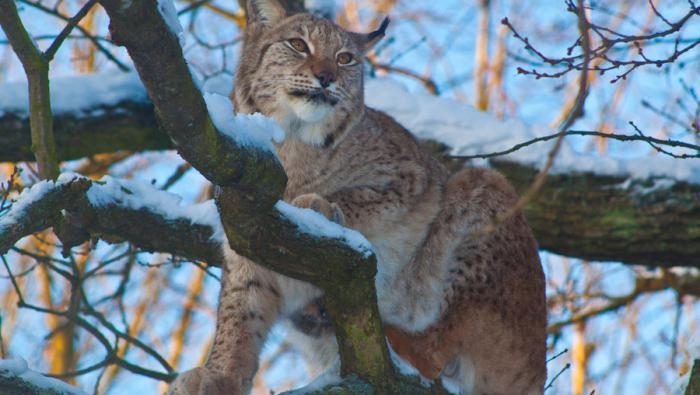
x=303 y=71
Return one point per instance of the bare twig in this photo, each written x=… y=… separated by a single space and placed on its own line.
x=620 y=137
x=610 y=40
x=73 y=22
x=428 y=83
x=95 y=41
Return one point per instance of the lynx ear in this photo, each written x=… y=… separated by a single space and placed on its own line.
x=366 y=41
x=266 y=12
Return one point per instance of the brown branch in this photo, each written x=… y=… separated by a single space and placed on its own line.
x=111 y=356
x=609 y=40
x=428 y=83
x=683 y=284
x=37 y=70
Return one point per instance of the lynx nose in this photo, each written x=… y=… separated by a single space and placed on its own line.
x=325 y=78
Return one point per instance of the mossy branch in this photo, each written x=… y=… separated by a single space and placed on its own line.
x=250 y=182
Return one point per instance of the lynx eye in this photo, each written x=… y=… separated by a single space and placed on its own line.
x=298 y=45
x=345 y=59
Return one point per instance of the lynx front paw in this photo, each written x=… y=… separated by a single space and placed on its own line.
x=199 y=381
x=316 y=202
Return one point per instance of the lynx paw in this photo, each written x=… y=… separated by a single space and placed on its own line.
x=317 y=203
x=198 y=381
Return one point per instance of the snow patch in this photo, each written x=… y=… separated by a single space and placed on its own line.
x=132 y=194
x=313 y=223
x=139 y=195
x=79 y=95
x=169 y=14
x=17 y=367
x=251 y=130
x=468 y=131
x=30 y=196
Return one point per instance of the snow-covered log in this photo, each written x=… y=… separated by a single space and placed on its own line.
x=92 y=114
x=642 y=211
x=79 y=209
x=17 y=379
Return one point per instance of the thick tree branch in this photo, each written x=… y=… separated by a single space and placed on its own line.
x=18 y=381
x=116 y=221
x=605 y=218
x=251 y=181
x=128 y=125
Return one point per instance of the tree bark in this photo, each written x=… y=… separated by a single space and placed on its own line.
x=604 y=218
x=36 y=68
x=130 y=125
x=13 y=384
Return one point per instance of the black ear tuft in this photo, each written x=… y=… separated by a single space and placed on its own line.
x=379 y=33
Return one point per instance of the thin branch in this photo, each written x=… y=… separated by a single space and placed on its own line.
x=610 y=40
x=683 y=284
x=614 y=136
x=428 y=83
x=95 y=41
x=51 y=51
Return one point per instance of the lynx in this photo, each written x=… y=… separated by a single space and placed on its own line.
x=469 y=311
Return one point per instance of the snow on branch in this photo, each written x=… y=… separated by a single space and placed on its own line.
x=314 y=223
x=17 y=378
x=116 y=210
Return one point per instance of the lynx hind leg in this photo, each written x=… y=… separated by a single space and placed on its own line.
x=249 y=303
x=498 y=290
